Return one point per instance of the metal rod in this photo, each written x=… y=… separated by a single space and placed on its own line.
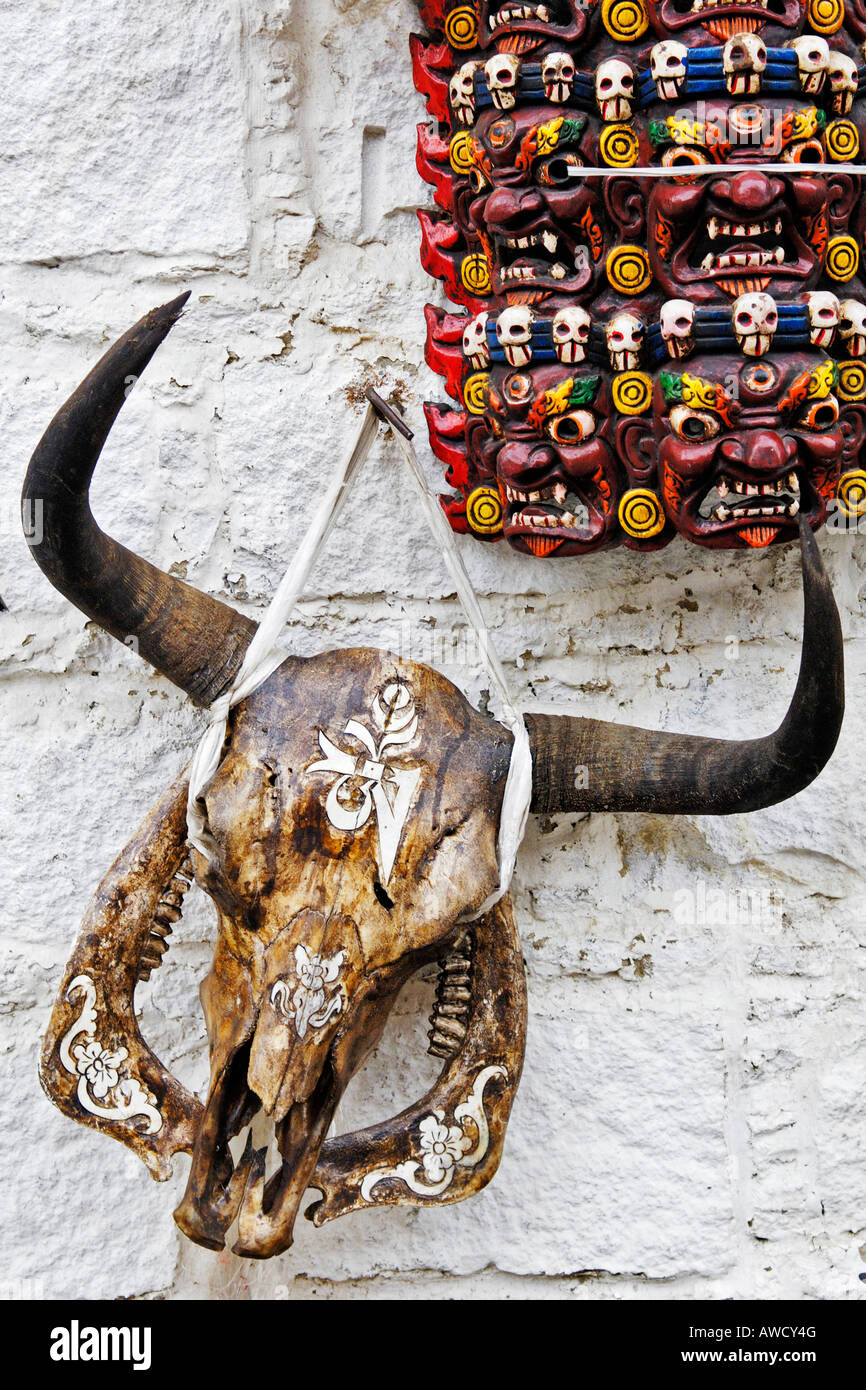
x=388 y=413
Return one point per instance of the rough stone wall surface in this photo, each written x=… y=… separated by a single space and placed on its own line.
x=691 y=1119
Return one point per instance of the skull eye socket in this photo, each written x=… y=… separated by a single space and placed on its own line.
x=820 y=415
x=572 y=428
x=557 y=172
x=694 y=426
x=805 y=152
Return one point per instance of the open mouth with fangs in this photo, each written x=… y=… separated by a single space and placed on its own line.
x=540 y=258
x=723 y=20
x=223 y=1188
x=758 y=511
x=556 y=513
x=508 y=14
x=760 y=249
x=518 y=27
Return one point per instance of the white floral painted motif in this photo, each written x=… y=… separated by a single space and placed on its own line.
x=369 y=783
x=443 y=1148
x=102 y=1074
x=308 y=1004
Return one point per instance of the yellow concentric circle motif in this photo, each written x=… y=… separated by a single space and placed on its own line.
x=851 y=492
x=475 y=392
x=843 y=257
x=461 y=27
x=619 y=146
x=640 y=514
x=625 y=19
x=632 y=393
x=826 y=16
x=843 y=141
x=628 y=269
x=460 y=152
x=852 y=381
x=484 y=511
x=475 y=274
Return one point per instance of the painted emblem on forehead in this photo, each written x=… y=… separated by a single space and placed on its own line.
x=366 y=782
x=759 y=378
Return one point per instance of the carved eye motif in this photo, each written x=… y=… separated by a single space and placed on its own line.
x=556 y=172
x=804 y=152
x=572 y=428
x=684 y=157
x=820 y=415
x=694 y=426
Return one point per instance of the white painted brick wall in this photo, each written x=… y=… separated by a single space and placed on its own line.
x=691 y=1118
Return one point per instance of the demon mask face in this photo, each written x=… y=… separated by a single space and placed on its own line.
x=548 y=445
x=744 y=229
x=746 y=448
x=539 y=222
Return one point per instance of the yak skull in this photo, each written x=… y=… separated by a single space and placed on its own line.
x=744 y=60
x=350 y=837
x=755 y=319
x=502 y=74
x=557 y=74
x=677 y=318
x=852 y=327
x=514 y=331
x=823 y=310
x=614 y=89
x=668 y=68
x=570 y=329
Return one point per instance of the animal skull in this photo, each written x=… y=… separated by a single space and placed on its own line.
x=475 y=346
x=852 y=327
x=557 y=74
x=514 y=331
x=614 y=89
x=668 y=68
x=755 y=319
x=842 y=72
x=502 y=73
x=824 y=313
x=813 y=57
x=624 y=336
x=570 y=331
x=351 y=838
x=744 y=59
x=677 y=318
x=461 y=92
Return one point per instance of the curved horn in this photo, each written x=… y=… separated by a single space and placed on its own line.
x=194 y=640
x=630 y=769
